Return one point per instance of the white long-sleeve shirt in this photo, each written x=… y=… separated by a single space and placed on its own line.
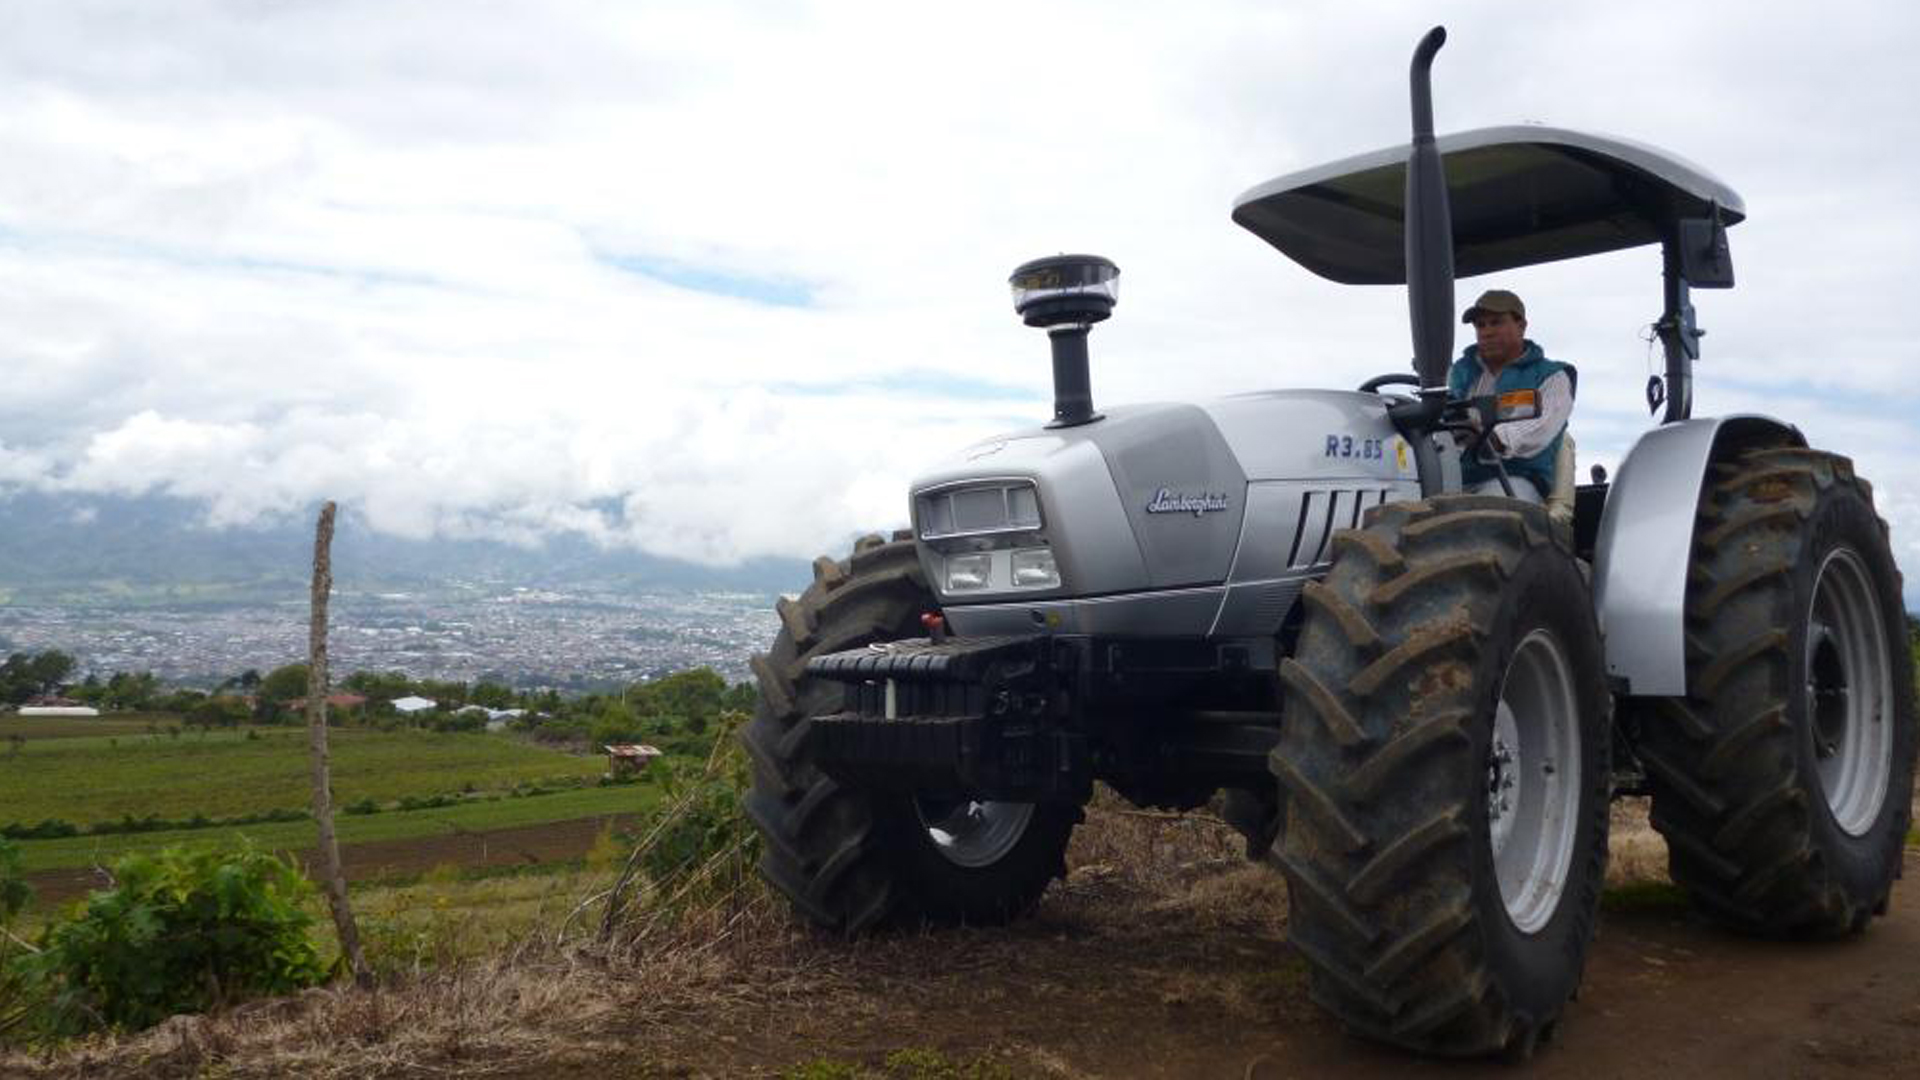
x=1525 y=438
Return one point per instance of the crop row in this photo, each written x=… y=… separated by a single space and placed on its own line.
x=474 y=815
x=57 y=828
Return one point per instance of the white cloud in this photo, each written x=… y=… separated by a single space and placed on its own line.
x=266 y=254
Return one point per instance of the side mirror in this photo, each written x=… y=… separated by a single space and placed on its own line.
x=1705 y=259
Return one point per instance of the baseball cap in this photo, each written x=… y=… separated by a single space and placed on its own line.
x=1494 y=301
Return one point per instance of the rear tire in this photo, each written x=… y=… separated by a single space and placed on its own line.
x=1783 y=782
x=850 y=859
x=1444 y=759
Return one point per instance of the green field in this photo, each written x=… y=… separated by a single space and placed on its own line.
x=478 y=815
x=92 y=778
x=80 y=727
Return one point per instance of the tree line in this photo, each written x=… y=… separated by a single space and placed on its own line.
x=25 y=676
x=678 y=710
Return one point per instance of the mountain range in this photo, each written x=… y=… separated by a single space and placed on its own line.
x=83 y=548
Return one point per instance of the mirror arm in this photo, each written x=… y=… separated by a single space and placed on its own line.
x=1679 y=334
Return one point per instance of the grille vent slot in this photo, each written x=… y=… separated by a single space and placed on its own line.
x=1324 y=512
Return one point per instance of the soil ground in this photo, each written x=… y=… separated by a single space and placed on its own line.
x=1163 y=954
x=1192 y=977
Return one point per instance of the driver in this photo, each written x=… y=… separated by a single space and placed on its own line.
x=1501 y=360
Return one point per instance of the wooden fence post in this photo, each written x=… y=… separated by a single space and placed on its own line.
x=336 y=881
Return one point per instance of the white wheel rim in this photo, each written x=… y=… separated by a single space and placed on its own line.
x=1533 y=781
x=1848 y=685
x=973 y=834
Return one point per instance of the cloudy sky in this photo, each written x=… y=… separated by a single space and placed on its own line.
x=715 y=279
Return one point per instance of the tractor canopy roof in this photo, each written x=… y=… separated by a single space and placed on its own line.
x=1520 y=195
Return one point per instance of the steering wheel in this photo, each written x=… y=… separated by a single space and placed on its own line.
x=1397 y=378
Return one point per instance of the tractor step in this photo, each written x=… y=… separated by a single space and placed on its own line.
x=926 y=660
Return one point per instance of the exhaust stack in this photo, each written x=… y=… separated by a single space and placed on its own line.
x=1066 y=295
x=1429 y=229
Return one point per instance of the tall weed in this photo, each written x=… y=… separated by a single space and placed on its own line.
x=695 y=852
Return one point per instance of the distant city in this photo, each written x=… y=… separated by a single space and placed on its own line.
x=529 y=638
x=141 y=583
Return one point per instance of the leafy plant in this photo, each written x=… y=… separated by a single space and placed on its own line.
x=616 y=723
x=699 y=819
x=16 y=992
x=14 y=890
x=47 y=829
x=180 y=931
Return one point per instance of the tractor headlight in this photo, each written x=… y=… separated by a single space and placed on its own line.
x=988 y=535
x=967 y=572
x=995 y=510
x=1034 y=568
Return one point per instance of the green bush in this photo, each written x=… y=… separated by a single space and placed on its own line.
x=562 y=731
x=14 y=891
x=16 y=991
x=615 y=723
x=182 y=930
x=56 y=828
x=47 y=829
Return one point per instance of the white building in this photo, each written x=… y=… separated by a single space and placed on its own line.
x=500 y=719
x=412 y=704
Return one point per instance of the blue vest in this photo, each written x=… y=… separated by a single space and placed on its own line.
x=1526 y=373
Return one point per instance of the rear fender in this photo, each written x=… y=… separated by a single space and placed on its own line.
x=1646 y=541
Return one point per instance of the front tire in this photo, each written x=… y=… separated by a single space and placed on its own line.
x=1783 y=782
x=1444 y=757
x=850 y=859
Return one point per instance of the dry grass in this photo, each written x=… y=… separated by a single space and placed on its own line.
x=450 y=916
x=733 y=986
x=551 y=1002
x=1192 y=864
x=534 y=1006
x=1637 y=854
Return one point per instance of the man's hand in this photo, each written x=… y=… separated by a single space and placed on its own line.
x=1481 y=425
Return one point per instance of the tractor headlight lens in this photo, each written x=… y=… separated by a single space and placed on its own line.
x=965 y=572
x=1023 y=507
x=979 y=510
x=1034 y=568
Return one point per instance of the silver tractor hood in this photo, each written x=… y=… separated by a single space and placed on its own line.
x=1198 y=510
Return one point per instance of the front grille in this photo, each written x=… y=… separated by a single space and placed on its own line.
x=1324 y=512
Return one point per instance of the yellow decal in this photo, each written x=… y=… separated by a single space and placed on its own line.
x=1400 y=453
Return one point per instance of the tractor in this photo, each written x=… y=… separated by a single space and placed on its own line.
x=1417 y=703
